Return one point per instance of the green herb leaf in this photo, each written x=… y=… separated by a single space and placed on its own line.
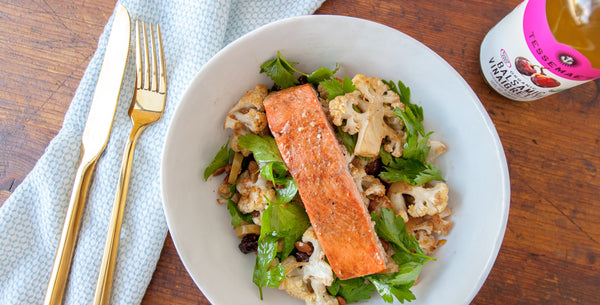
x=237 y=217
x=322 y=74
x=352 y=290
x=280 y=71
x=263 y=274
x=335 y=88
x=272 y=167
x=430 y=173
x=411 y=171
x=274 y=171
x=386 y=157
x=411 y=122
x=412 y=167
x=407 y=274
x=221 y=159
x=402 y=90
x=388 y=291
x=287 y=191
x=392 y=228
x=264 y=148
x=287 y=221
x=348 y=139
x=404 y=93
x=415 y=148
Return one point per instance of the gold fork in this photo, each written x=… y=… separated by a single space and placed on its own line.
x=146 y=107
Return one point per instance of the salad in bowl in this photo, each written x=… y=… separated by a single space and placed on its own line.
x=331 y=183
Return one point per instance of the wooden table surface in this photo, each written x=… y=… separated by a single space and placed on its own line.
x=551 y=249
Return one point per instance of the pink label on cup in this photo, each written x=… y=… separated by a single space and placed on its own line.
x=556 y=57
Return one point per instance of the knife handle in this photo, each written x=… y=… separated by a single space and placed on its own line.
x=66 y=246
x=111 y=249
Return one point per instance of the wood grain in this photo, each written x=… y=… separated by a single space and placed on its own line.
x=550 y=253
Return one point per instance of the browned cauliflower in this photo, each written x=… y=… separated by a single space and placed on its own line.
x=427 y=227
x=437 y=148
x=309 y=281
x=368 y=111
x=247 y=116
x=368 y=185
x=425 y=200
x=254 y=193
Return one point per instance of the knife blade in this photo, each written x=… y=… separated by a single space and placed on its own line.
x=93 y=142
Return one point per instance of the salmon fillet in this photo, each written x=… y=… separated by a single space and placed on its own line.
x=332 y=200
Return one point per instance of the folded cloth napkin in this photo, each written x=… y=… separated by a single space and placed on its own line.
x=31 y=219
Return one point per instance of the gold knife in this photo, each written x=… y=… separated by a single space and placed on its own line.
x=94 y=140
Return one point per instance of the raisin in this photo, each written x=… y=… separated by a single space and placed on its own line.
x=373 y=167
x=302 y=256
x=303 y=79
x=249 y=243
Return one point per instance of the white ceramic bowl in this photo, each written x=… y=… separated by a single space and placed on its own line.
x=474 y=166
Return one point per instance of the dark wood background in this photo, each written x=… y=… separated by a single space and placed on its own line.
x=551 y=250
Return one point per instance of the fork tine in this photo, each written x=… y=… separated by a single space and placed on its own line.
x=146 y=67
x=162 y=88
x=138 y=56
x=153 y=79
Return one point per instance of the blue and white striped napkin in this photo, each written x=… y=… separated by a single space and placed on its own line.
x=31 y=219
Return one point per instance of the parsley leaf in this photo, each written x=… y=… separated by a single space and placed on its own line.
x=392 y=228
x=284 y=220
x=415 y=148
x=221 y=159
x=335 y=88
x=272 y=167
x=280 y=71
x=348 y=140
x=430 y=173
x=411 y=121
x=287 y=191
x=263 y=274
x=389 y=291
x=352 y=290
x=322 y=74
x=237 y=217
x=264 y=148
x=412 y=167
x=404 y=92
x=411 y=171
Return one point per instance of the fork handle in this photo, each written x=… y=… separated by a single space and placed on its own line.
x=66 y=246
x=107 y=269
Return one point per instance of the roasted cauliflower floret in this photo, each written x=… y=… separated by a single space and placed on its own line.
x=427 y=227
x=368 y=111
x=368 y=185
x=425 y=200
x=308 y=282
x=427 y=242
x=317 y=269
x=398 y=203
x=255 y=192
x=247 y=116
x=437 y=148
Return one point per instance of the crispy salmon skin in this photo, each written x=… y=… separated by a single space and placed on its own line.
x=332 y=200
